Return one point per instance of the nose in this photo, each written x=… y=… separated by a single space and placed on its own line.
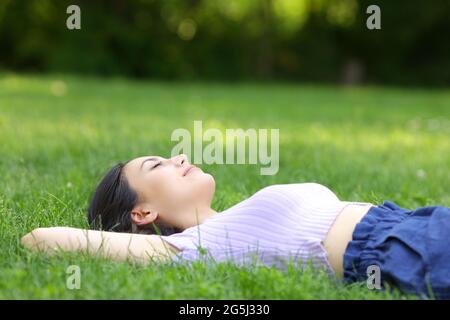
x=180 y=159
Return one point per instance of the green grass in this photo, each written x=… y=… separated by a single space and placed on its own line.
x=366 y=144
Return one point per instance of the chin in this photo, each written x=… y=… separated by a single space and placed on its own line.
x=209 y=179
x=207 y=182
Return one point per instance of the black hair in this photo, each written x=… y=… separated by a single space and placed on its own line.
x=111 y=205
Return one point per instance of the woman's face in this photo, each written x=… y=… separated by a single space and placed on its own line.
x=170 y=187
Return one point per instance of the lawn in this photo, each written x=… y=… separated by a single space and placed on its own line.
x=58 y=135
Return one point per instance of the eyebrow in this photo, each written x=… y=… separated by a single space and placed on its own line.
x=148 y=159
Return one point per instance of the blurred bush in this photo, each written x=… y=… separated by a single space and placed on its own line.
x=309 y=40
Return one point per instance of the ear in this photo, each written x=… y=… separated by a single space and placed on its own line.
x=141 y=215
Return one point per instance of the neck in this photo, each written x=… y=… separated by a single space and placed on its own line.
x=197 y=216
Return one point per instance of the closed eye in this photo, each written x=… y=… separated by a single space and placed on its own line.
x=156 y=165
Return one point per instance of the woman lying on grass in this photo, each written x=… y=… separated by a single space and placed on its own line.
x=154 y=208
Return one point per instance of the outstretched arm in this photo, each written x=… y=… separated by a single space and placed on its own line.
x=118 y=246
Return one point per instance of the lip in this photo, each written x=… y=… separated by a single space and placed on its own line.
x=188 y=169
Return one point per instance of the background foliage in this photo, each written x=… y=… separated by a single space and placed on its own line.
x=309 y=40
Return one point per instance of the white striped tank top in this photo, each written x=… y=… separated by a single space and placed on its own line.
x=278 y=224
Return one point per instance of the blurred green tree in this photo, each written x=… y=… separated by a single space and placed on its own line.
x=308 y=40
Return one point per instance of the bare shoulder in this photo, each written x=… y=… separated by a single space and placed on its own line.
x=150 y=244
x=154 y=247
x=159 y=242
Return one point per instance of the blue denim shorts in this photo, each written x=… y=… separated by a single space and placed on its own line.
x=411 y=248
